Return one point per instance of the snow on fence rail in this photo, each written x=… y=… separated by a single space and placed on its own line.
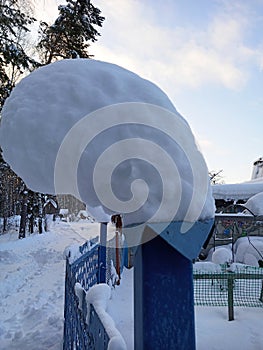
x=236 y=285
x=83 y=327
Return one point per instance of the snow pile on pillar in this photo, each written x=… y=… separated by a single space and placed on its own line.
x=108 y=137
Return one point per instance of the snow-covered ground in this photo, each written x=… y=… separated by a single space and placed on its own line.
x=32 y=297
x=32 y=286
x=213 y=330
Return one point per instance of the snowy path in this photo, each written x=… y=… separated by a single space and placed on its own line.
x=32 y=287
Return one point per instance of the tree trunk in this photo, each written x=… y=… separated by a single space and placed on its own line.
x=22 y=229
x=31 y=223
x=40 y=214
x=4 y=224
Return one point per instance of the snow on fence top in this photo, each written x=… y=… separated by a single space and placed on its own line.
x=108 y=137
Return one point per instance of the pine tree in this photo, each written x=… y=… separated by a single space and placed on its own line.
x=68 y=37
x=14 y=61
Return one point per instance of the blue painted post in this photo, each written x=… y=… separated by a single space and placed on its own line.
x=102 y=252
x=164 y=309
x=163 y=287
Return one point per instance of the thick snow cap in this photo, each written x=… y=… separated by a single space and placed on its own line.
x=109 y=137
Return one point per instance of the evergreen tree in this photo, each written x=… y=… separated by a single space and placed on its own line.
x=69 y=35
x=14 y=61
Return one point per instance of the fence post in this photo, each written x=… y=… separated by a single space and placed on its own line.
x=102 y=252
x=261 y=293
x=68 y=338
x=163 y=298
x=230 y=285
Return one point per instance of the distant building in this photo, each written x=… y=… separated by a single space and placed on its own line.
x=227 y=194
x=257 y=171
x=71 y=203
x=51 y=206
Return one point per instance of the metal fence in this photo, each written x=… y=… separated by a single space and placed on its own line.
x=78 y=333
x=85 y=271
x=241 y=287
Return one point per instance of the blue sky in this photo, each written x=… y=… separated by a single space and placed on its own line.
x=207 y=55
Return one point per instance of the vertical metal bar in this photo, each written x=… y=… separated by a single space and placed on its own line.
x=261 y=293
x=102 y=252
x=117 y=251
x=230 y=285
x=66 y=306
x=232 y=242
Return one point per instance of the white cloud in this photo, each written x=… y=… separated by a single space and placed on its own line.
x=178 y=57
x=46 y=10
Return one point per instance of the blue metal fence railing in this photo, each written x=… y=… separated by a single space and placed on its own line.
x=84 y=270
x=78 y=333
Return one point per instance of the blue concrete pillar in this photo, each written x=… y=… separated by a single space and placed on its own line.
x=102 y=253
x=163 y=298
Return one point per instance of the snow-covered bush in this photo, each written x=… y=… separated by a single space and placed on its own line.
x=249 y=250
x=222 y=255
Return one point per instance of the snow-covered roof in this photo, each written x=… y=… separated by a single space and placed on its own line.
x=50 y=200
x=240 y=191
